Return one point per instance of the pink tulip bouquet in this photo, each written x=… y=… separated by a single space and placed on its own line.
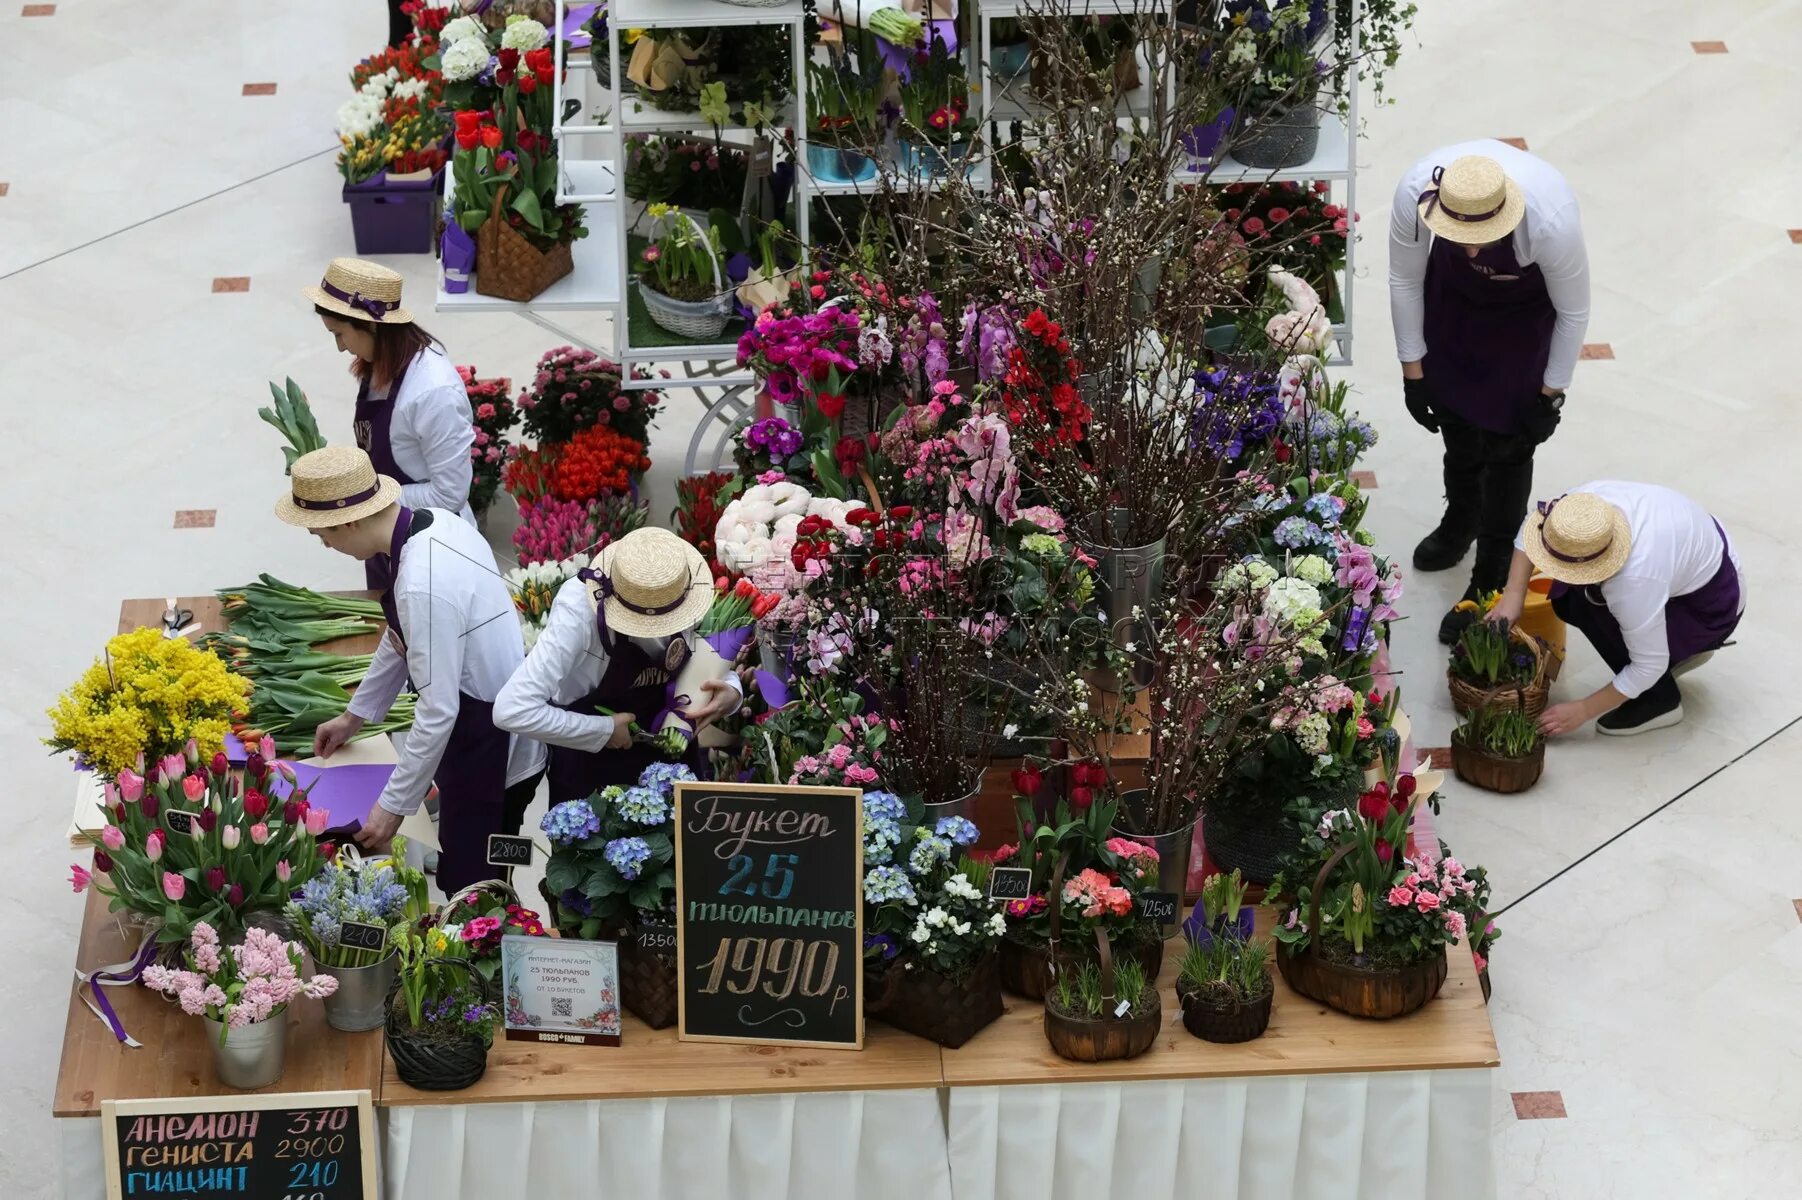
x=238 y=985
x=187 y=843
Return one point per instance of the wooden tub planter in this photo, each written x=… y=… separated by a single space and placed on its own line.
x=1494 y=773
x=1103 y=1039
x=1218 y=1015
x=1026 y=966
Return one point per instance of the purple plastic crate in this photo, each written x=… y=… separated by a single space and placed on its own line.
x=394 y=217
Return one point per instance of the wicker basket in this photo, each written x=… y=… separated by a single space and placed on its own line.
x=509 y=266
x=647 y=983
x=1378 y=992
x=1255 y=848
x=702 y=320
x=1226 y=1023
x=1529 y=697
x=1106 y=1038
x=1492 y=772
x=923 y=1002
x=432 y=1064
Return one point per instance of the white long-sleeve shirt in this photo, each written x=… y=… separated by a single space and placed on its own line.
x=1550 y=236
x=1676 y=550
x=462 y=634
x=565 y=664
x=430 y=433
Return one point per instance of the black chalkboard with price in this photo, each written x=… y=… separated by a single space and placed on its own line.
x=769 y=914
x=293 y=1146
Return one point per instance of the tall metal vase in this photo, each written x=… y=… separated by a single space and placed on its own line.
x=1129 y=582
x=1173 y=856
x=251 y=1056
x=964 y=806
x=361 y=1001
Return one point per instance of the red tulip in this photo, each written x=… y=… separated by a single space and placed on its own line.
x=1081 y=797
x=151 y=805
x=508 y=58
x=527 y=84
x=1373 y=805
x=234 y=895
x=220 y=765
x=327 y=849
x=294 y=811
x=208 y=819
x=467 y=119
x=467 y=140
x=831 y=407
x=1404 y=787
x=215 y=879
x=491 y=137
x=102 y=861
x=1028 y=779
x=255 y=767
x=1385 y=852
x=901 y=512
x=255 y=804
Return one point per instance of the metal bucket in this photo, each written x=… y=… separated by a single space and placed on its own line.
x=963 y=806
x=361 y=1001
x=251 y=1056
x=1129 y=580
x=1173 y=858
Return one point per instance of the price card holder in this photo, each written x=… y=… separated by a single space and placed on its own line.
x=561 y=990
x=1161 y=907
x=179 y=822
x=1010 y=883
x=360 y=936
x=233 y=1147
x=506 y=850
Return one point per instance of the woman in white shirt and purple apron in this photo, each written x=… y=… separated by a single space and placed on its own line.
x=413 y=417
x=1489 y=291
x=1649 y=577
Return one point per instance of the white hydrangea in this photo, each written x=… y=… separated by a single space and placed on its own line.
x=461 y=29
x=523 y=34
x=1293 y=602
x=464 y=60
x=1251 y=573
x=1312 y=568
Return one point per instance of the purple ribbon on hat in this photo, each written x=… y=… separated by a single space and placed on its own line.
x=368 y=493
x=369 y=304
x=1545 y=514
x=605 y=591
x=1431 y=196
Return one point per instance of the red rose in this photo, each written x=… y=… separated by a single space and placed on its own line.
x=831 y=406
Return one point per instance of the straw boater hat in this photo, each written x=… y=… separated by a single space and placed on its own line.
x=361 y=290
x=1472 y=201
x=1579 y=538
x=334 y=486
x=652 y=583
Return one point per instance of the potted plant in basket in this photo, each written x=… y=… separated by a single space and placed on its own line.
x=1367 y=924
x=680 y=279
x=1103 y=1010
x=1225 y=989
x=1493 y=665
x=1280 y=114
x=931 y=930
x=1221 y=912
x=481 y=915
x=612 y=874
x=440 y=1022
x=382 y=892
x=243 y=991
x=1499 y=748
x=841 y=117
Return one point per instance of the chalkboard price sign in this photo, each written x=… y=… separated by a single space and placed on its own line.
x=505 y=850
x=1010 y=883
x=359 y=936
x=769 y=914
x=302 y=1145
x=1158 y=906
x=179 y=822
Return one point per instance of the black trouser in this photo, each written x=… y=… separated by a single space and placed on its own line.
x=1581 y=608
x=515 y=800
x=1488 y=482
x=399 y=24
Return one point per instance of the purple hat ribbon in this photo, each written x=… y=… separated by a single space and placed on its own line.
x=1431 y=196
x=368 y=493
x=605 y=591
x=1545 y=514
x=369 y=304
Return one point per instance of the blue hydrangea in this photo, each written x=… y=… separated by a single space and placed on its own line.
x=645 y=805
x=884 y=885
x=627 y=856
x=961 y=830
x=928 y=853
x=570 y=822
x=664 y=776
x=884 y=806
x=1325 y=508
x=1297 y=532
x=880 y=837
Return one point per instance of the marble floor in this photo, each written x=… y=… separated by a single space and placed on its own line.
x=138 y=170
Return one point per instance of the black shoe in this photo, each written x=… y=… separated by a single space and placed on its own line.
x=1456 y=622
x=1442 y=549
x=1642 y=714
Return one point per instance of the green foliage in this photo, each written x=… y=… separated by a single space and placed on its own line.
x=1504 y=731
x=1223 y=895
x=293 y=416
x=1226 y=967
x=1488 y=655
x=1079 y=990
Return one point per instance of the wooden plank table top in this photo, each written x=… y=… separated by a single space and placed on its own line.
x=175 y=1059
x=1304 y=1038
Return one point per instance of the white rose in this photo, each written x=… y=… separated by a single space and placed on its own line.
x=523 y=33
x=464 y=60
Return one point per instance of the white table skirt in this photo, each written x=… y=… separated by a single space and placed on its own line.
x=1403 y=1135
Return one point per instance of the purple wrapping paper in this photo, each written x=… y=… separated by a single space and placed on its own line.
x=773 y=690
x=729 y=643
x=575 y=17
x=347 y=792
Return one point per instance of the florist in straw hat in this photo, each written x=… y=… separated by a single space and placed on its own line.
x=1651 y=580
x=412 y=416
x=617 y=680
x=452 y=631
x=1489 y=289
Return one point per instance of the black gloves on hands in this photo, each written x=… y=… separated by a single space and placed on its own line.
x=1543 y=414
x=1419 y=398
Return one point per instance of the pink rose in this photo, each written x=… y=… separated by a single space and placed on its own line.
x=1426 y=901
x=113 y=837
x=1400 y=897
x=174 y=886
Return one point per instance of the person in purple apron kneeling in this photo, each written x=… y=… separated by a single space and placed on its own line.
x=413 y=417
x=616 y=640
x=1489 y=291
x=1652 y=581
x=453 y=631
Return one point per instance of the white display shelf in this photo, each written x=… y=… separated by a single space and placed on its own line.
x=888 y=176
x=587 y=181
x=592 y=284
x=693 y=14
x=635 y=116
x=1331 y=160
x=1075 y=8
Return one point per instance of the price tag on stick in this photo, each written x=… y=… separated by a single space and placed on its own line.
x=179 y=822
x=505 y=850
x=1158 y=906
x=360 y=936
x=1010 y=883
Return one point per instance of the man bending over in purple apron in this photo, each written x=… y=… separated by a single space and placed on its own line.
x=453 y=629
x=613 y=645
x=1489 y=291
x=1651 y=580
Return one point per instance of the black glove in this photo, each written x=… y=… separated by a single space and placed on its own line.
x=1543 y=414
x=1419 y=398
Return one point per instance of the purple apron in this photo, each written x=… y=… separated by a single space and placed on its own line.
x=1488 y=328
x=371 y=427
x=633 y=682
x=472 y=775
x=1694 y=622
